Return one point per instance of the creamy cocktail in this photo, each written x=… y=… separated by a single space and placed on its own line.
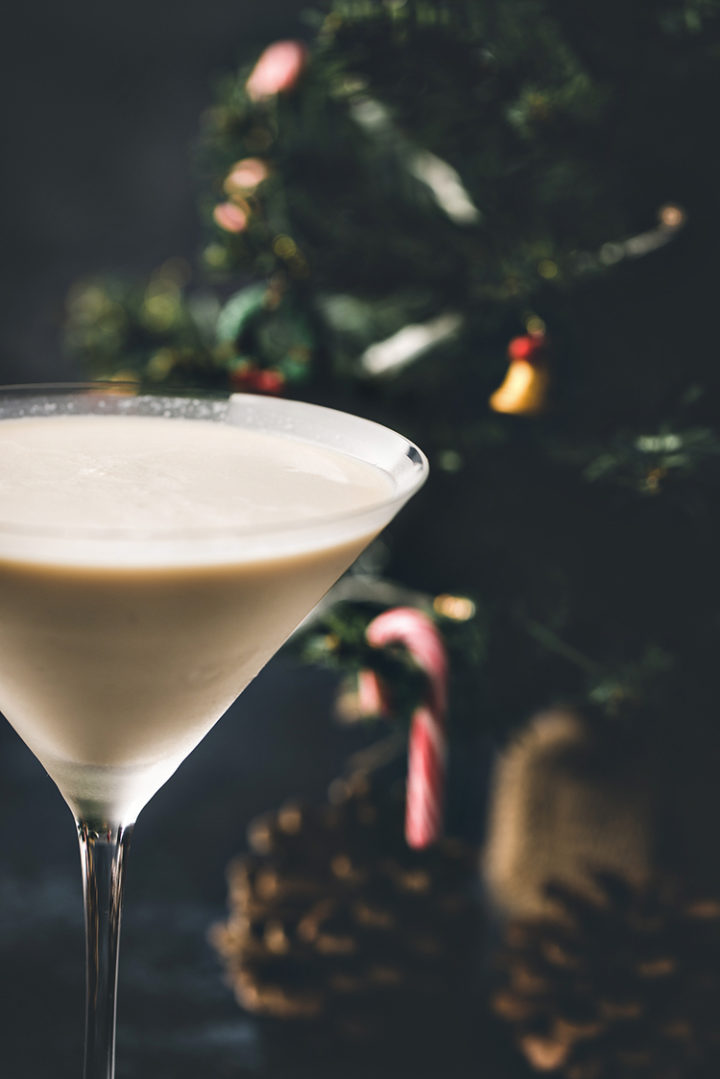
x=154 y=553
x=116 y=657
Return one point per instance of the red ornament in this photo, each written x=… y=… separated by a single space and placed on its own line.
x=530 y=347
x=245 y=176
x=277 y=70
x=251 y=379
x=230 y=217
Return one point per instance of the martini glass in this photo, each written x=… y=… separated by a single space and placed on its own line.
x=155 y=552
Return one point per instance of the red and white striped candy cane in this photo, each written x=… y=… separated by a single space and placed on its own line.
x=427 y=742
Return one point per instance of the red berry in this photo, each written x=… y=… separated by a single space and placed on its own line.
x=269 y=381
x=257 y=380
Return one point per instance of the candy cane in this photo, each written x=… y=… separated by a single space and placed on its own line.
x=371 y=700
x=427 y=745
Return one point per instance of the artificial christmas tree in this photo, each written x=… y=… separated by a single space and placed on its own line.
x=421 y=183
x=422 y=192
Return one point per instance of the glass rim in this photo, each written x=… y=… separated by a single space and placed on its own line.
x=113 y=386
x=402 y=489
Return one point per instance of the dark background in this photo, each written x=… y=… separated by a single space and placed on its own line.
x=100 y=107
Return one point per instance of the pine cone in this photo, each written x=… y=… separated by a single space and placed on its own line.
x=622 y=984
x=335 y=918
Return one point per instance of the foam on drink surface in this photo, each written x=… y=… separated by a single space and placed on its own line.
x=153 y=477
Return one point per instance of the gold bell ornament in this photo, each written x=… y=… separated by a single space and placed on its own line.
x=524 y=391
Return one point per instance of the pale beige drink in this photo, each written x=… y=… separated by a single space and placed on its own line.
x=148 y=569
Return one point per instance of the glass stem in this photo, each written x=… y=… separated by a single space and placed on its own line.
x=103 y=853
